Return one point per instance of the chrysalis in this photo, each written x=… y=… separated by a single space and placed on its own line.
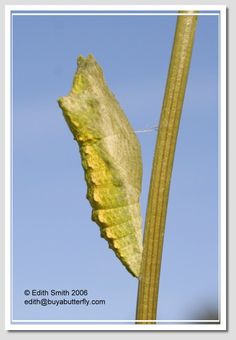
x=111 y=158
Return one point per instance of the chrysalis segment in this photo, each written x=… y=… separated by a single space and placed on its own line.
x=111 y=158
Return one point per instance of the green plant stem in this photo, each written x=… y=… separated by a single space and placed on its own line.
x=162 y=167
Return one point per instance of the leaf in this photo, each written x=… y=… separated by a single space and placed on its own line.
x=111 y=158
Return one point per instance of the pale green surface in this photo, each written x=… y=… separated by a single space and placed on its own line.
x=111 y=158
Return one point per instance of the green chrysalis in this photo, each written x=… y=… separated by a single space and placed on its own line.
x=111 y=158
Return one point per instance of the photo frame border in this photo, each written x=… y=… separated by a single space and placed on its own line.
x=169 y=324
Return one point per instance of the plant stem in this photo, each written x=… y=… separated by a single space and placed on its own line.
x=162 y=167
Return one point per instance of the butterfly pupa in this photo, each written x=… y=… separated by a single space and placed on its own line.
x=111 y=158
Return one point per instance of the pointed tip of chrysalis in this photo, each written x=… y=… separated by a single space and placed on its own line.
x=91 y=57
x=80 y=60
x=83 y=60
x=88 y=63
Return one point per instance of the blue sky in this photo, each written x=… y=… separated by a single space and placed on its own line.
x=55 y=243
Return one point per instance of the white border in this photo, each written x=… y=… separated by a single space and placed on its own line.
x=223 y=170
x=162 y=324
x=7 y=170
x=115 y=7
